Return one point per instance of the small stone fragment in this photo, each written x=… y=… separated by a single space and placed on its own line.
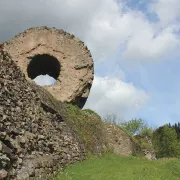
x=3 y=174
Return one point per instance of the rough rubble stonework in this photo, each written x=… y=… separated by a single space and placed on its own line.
x=35 y=140
x=118 y=140
x=71 y=62
x=120 y=143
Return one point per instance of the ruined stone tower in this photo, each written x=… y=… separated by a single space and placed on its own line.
x=42 y=50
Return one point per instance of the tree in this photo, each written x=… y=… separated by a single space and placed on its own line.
x=147 y=131
x=110 y=118
x=165 y=142
x=133 y=127
x=176 y=126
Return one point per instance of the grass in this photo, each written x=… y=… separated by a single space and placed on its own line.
x=114 y=167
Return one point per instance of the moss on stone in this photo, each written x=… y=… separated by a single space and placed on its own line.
x=88 y=125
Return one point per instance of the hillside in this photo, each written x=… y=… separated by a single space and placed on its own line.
x=115 y=167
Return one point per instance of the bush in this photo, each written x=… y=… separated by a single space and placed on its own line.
x=110 y=118
x=135 y=126
x=147 y=131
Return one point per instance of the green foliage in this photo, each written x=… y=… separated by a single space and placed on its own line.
x=91 y=112
x=142 y=142
x=165 y=142
x=147 y=131
x=88 y=126
x=114 y=167
x=176 y=126
x=133 y=127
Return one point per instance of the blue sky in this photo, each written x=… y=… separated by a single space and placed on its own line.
x=159 y=79
x=135 y=46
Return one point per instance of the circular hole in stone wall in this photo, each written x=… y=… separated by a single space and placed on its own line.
x=44 y=69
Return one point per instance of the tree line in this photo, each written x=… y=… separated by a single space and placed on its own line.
x=166 y=141
x=176 y=126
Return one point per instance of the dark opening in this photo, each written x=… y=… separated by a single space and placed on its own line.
x=80 y=101
x=43 y=64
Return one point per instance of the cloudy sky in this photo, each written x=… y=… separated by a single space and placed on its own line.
x=135 y=46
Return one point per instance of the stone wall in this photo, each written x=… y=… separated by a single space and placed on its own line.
x=121 y=143
x=118 y=141
x=34 y=138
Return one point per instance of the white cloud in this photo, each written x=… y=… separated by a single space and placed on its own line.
x=146 y=46
x=166 y=10
x=104 y=25
x=112 y=95
x=43 y=80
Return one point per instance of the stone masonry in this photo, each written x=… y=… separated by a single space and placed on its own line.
x=43 y=50
x=35 y=140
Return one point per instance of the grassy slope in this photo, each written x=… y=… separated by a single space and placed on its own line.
x=114 y=167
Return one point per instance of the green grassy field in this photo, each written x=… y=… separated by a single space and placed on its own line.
x=114 y=167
